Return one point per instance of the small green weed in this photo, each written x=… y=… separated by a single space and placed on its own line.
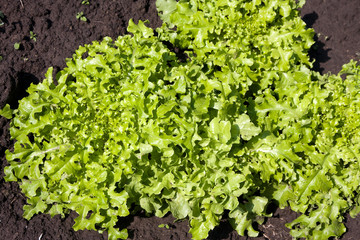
x=32 y=36
x=164 y=226
x=80 y=16
x=17 y=45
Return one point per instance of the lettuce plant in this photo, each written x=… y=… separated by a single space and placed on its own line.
x=241 y=122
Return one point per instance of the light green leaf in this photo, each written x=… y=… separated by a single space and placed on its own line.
x=180 y=207
x=246 y=127
x=6 y=112
x=165 y=9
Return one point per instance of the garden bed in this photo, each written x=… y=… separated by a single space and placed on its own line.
x=48 y=33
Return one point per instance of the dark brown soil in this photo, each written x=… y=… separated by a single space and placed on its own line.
x=58 y=35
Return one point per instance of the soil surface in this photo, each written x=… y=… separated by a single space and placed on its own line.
x=59 y=33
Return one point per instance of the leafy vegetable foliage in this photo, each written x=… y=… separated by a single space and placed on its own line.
x=241 y=123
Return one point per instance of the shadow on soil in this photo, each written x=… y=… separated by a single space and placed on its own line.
x=22 y=82
x=317 y=52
